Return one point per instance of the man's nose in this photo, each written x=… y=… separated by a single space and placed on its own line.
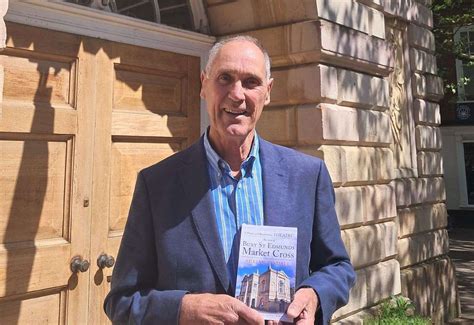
x=236 y=92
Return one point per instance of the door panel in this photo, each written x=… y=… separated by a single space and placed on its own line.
x=149 y=110
x=45 y=176
x=80 y=117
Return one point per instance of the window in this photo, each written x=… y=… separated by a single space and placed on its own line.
x=281 y=288
x=183 y=14
x=469 y=165
x=465 y=35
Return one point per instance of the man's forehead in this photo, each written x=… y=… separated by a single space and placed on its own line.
x=240 y=56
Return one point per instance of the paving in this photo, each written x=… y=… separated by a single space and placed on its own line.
x=461 y=242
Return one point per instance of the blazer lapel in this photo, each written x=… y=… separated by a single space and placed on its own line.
x=195 y=180
x=275 y=185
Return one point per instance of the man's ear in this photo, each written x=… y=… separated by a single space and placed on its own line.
x=203 y=79
x=269 y=90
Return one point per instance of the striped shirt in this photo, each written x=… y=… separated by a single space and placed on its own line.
x=236 y=201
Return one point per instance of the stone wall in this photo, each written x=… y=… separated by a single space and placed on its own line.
x=355 y=84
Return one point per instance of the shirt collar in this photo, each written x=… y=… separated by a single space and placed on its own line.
x=220 y=166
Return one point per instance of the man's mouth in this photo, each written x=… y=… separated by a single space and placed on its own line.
x=235 y=111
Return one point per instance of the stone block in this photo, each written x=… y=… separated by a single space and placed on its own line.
x=361 y=90
x=376 y=23
x=358 y=165
x=421 y=15
x=332 y=156
x=312 y=151
x=364 y=245
x=421 y=38
x=345 y=47
x=431 y=286
x=411 y=191
x=434 y=87
x=357 y=295
x=278 y=125
x=304 y=84
x=397 y=8
x=350 y=206
x=328 y=83
x=326 y=42
x=377 y=4
x=390 y=238
x=354 y=15
x=427 y=138
x=320 y=83
x=244 y=15
x=413 y=285
x=419 y=85
x=421 y=247
x=383 y=281
x=346 y=240
x=372 y=126
x=426 y=112
x=427 y=86
x=420 y=219
x=367 y=165
x=368 y=245
x=422 y=62
x=430 y=163
x=365 y=204
x=328 y=122
x=379 y=202
x=309 y=125
x=292 y=44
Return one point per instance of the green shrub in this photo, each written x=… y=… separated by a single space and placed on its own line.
x=397 y=311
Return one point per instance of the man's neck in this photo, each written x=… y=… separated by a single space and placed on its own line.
x=234 y=151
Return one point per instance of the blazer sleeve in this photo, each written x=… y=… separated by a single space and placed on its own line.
x=133 y=298
x=332 y=274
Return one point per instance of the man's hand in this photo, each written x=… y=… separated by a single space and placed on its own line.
x=302 y=308
x=209 y=308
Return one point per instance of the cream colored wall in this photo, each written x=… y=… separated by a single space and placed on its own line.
x=355 y=84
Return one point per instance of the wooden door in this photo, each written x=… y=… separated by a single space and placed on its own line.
x=148 y=109
x=45 y=180
x=80 y=117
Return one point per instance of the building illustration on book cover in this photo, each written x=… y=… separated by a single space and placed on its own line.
x=270 y=291
x=266 y=270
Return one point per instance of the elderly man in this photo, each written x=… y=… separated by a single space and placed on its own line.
x=177 y=262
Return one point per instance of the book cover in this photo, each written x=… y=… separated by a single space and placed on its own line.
x=266 y=269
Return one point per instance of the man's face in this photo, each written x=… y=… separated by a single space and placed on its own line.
x=236 y=89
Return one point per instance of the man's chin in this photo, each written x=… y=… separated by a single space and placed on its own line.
x=238 y=132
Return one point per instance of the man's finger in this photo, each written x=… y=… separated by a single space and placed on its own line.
x=296 y=307
x=304 y=304
x=251 y=316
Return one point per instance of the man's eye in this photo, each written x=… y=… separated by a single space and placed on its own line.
x=224 y=78
x=251 y=83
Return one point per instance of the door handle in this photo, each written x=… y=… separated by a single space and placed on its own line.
x=105 y=260
x=78 y=264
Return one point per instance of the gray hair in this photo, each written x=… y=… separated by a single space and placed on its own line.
x=218 y=45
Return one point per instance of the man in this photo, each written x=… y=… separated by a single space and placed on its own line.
x=177 y=258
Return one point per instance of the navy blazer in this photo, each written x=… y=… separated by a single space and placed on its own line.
x=171 y=244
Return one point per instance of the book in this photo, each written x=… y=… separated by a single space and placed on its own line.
x=266 y=269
